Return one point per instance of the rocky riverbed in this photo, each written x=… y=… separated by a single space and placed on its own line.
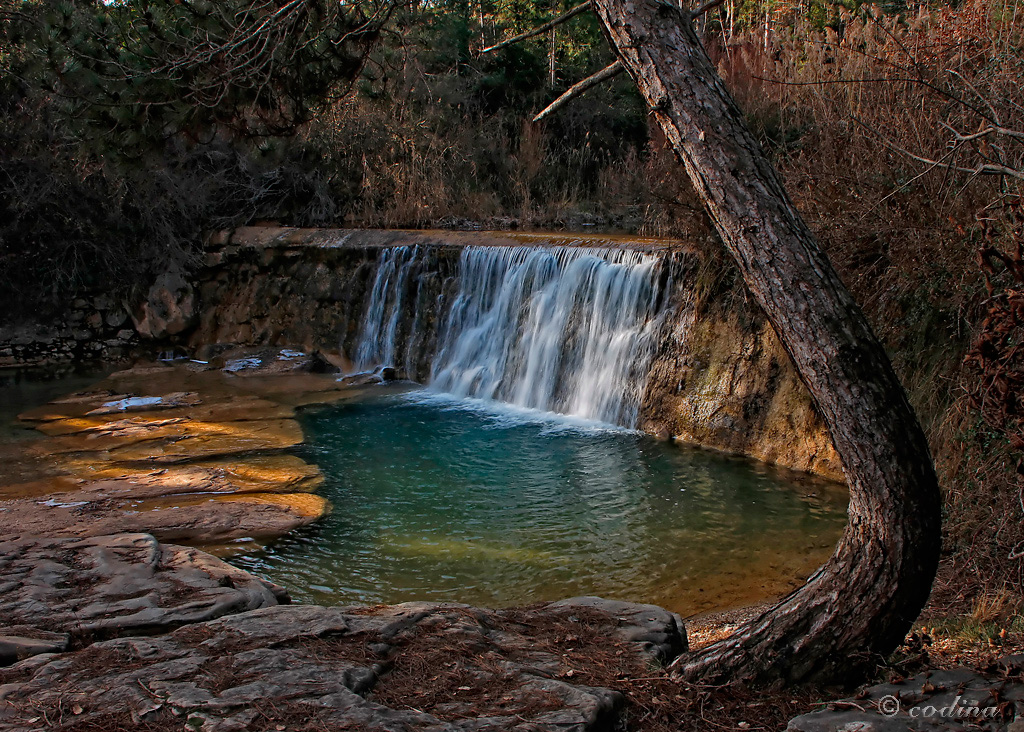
x=122 y=632
x=192 y=643
x=190 y=451
x=108 y=628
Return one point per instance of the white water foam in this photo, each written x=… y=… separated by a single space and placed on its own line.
x=500 y=415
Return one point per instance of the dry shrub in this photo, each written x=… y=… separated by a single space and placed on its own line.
x=995 y=363
x=982 y=437
x=850 y=112
x=996 y=607
x=984 y=515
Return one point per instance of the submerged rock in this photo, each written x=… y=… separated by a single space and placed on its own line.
x=56 y=593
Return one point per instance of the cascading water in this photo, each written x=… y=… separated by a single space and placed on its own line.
x=566 y=330
x=561 y=329
x=380 y=326
x=499 y=507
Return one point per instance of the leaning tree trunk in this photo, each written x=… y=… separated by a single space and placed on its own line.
x=860 y=604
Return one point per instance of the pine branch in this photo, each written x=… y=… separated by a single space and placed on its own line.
x=709 y=5
x=608 y=72
x=582 y=7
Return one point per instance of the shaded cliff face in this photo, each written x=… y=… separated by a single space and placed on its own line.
x=721 y=379
x=715 y=373
x=309 y=288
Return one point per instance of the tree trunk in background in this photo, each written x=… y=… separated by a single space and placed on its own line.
x=860 y=604
x=551 y=59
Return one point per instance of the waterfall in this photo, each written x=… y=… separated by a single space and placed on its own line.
x=568 y=330
x=376 y=344
x=562 y=329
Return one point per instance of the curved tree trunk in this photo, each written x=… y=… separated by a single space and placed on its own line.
x=861 y=603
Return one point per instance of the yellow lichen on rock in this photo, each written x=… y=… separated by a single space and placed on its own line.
x=255 y=474
x=195 y=441
x=307 y=505
x=738 y=393
x=186 y=454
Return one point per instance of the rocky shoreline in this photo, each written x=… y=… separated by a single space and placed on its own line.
x=107 y=625
x=122 y=632
x=184 y=451
x=193 y=643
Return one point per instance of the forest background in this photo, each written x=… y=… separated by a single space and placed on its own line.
x=898 y=129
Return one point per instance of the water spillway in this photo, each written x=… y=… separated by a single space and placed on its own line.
x=630 y=331
x=445 y=492
x=376 y=346
x=560 y=329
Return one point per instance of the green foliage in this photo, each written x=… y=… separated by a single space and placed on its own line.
x=129 y=128
x=129 y=76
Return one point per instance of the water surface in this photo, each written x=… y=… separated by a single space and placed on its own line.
x=437 y=498
x=22 y=389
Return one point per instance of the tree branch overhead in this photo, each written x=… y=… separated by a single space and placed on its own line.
x=608 y=72
x=581 y=8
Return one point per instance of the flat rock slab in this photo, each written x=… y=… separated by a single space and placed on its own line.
x=654 y=630
x=177 y=440
x=275 y=473
x=69 y=418
x=953 y=700
x=401 y=668
x=105 y=401
x=183 y=455
x=60 y=593
x=195 y=518
x=249 y=361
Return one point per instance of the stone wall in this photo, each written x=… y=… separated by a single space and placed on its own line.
x=94 y=328
x=309 y=289
x=719 y=379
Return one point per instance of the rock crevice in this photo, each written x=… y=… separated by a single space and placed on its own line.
x=238 y=660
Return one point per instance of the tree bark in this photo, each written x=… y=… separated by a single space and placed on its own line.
x=860 y=604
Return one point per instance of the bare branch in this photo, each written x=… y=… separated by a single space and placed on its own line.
x=990 y=130
x=582 y=7
x=706 y=7
x=982 y=169
x=984 y=100
x=609 y=71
